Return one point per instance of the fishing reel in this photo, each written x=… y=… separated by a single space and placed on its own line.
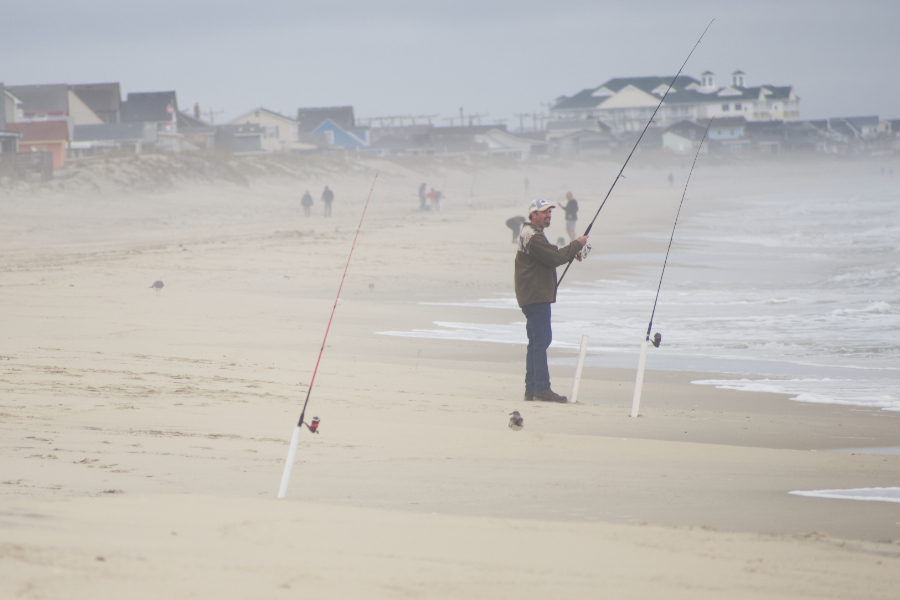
x=657 y=340
x=584 y=251
x=314 y=426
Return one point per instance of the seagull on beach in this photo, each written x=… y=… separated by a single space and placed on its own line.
x=516 y=422
x=158 y=285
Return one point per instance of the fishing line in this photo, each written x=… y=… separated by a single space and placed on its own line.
x=672 y=237
x=314 y=425
x=640 y=137
x=657 y=339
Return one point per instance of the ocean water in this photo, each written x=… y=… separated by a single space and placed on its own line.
x=789 y=293
x=884 y=494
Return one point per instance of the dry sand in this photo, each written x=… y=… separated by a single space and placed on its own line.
x=143 y=435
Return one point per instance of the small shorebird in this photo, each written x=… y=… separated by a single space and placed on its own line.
x=158 y=285
x=516 y=422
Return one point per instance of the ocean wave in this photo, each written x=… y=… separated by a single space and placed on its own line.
x=849 y=392
x=877 y=494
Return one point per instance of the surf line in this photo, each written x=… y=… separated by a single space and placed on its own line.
x=640 y=137
x=314 y=425
x=642 y=361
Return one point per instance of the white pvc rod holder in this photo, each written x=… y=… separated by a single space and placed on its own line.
x=289 y=463
x=639 y=382
x=574 y=397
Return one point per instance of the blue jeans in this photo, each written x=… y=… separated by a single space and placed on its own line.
x=537 y=374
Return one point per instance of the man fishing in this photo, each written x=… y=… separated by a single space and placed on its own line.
x=535 y=280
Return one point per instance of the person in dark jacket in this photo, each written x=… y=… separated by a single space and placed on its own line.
x=571 y=208
x=423 y=198
x=307 y=203
x=327 y=199
x=535 y=282
x=515 y=224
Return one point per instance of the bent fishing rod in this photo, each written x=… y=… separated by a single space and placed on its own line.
x=642 y=361
x=314 y=425
x=640 y=137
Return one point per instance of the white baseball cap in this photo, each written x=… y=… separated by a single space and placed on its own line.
x=539 y=205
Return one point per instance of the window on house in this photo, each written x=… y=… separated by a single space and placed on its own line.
x=272 y=131
x=737 y=106
x=724 y=108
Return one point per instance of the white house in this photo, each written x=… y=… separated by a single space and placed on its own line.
x=281 y=134
x=626 y=104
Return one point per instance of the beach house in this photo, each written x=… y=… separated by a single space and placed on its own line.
x=626 y=104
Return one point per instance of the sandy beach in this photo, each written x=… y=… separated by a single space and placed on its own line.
x=143 y=435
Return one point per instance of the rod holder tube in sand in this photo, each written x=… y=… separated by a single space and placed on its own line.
x=574 y=397
x=289 y=463
x=639 y=382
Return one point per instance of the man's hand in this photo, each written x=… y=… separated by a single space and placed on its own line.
x=583 y=241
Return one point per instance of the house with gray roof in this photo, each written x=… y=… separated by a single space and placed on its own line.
x=9 y=140
x=104 y=99
x=626 y=104
x=143 y=107
x=42 y=102
x=198 y=134
x=244 y=138
x=309 y=119
x=160 y=109
x=89 y=139
x=52 y=102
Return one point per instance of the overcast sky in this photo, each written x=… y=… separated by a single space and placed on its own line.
x=404 y=57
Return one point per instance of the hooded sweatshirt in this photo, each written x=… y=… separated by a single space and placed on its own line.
x=536 y=262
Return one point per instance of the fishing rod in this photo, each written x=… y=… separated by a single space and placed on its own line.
x=314 y=425
x=642 y=361
x=640 y=137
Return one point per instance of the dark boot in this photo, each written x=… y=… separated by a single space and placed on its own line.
x=549 y=396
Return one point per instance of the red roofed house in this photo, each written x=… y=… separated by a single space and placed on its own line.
x=50 y=136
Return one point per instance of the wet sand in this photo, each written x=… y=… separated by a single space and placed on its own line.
x=150 y=430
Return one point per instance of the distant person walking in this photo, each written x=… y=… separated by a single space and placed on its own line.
x=423 y=198
x=671 y=180
x=571 y=208
x=327 y=199
x=535 y=283
x=307 y=203
x=515 y=224
x=435 y=197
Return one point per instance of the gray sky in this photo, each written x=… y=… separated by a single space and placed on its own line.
x=412 y=57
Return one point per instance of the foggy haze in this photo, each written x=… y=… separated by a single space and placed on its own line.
x=411 y=58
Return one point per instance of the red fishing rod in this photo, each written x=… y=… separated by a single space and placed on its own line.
x=314 y=425
x=640 y=137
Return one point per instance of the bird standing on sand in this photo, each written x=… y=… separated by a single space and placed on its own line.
x=516 y=422
x=158 y=285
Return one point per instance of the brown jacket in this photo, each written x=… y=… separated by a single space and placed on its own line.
x=536 y=262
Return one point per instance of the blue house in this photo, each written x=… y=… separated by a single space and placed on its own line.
x=338 y=136
x=728 y=128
